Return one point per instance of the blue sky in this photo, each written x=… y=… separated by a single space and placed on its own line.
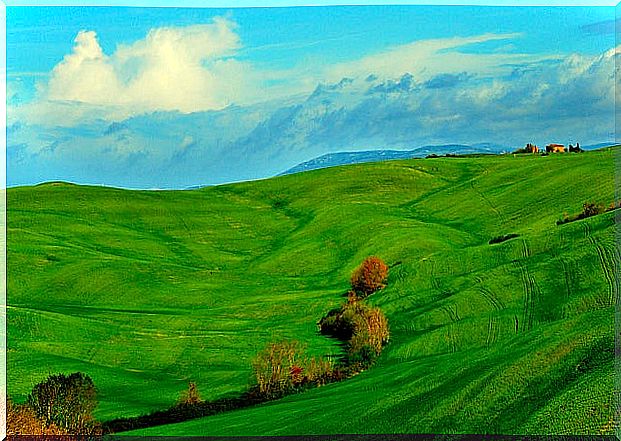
x=38 y=37
x=249 y=77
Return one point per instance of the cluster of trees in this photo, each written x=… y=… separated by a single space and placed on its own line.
x=589 y=209
x=282 y=368
x=22 y=420
x=363 y=328
x=190 y=397
x=60 y=405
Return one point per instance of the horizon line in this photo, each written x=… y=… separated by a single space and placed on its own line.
x=601 y=146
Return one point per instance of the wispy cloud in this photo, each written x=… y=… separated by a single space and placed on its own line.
x=427 y=58
x=605 y=27
x=26 y=74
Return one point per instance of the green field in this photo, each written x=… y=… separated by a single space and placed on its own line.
x=147 y=290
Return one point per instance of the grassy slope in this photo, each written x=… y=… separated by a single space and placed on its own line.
x=147 y=290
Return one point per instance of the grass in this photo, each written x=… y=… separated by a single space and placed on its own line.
x=145 y=291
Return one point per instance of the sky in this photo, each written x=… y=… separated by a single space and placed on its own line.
x=175 y=97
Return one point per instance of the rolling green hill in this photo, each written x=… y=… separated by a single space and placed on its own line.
x=147 y=290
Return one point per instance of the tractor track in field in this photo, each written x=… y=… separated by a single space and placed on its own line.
x=492 y=331
x=485 y=171
x=449 y=310
x=454 y=318
x=566 y=269
x=530 y=287
x=435 y=284
x=604 y=257
x=497 y=305
x=566 y=272
x=488 y=295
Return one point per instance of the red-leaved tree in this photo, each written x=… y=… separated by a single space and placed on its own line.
x=370 y=276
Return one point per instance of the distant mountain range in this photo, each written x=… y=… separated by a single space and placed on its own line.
x=343 y=158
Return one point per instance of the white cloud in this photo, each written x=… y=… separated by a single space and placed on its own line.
x=173 y=68
x=194 y=68
x=426 y=58
x=86 y=75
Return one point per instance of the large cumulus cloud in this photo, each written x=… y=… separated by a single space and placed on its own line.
x=187 y=69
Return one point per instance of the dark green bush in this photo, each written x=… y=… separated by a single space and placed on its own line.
x=504 y=238
x=361 y=356
x=592 y=209
x=361 y=326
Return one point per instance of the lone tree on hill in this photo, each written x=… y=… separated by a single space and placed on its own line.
x=370 y=276
x=191 y=396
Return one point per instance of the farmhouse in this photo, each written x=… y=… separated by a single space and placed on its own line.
x=531 y=148
x=555 y=148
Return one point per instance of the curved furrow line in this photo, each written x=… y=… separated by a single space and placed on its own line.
x=433 y=279
x=488 y=295
x=604 y=258
x=609 y=262
x=497 y=305
x=451 y=337
x=535 y=295
x=528 y=294
x=601 y=254
x=525 y=249
x=489 y=332
x=616 y=271
x=494 y=299
x=587 y=229
x=567 y=275
x=485 y=198
x=533 y=290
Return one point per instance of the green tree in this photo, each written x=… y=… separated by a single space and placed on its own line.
x=67 y=401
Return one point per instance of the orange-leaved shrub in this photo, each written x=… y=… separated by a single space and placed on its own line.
x=22 y=420
x=370 y=276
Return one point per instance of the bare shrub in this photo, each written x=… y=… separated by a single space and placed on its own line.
x=190 y=396
x=273 y=367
